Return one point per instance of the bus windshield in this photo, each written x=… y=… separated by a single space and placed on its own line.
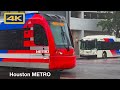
x=61 y=34
x=88 y=45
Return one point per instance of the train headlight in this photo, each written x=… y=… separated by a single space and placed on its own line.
x=74 y=53
x=59 y=52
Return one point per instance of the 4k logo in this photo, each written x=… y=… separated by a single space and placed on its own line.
x=14 y=18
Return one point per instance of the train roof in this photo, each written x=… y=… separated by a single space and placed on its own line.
x=91 y=37
x=100 y=36
x=52 y=17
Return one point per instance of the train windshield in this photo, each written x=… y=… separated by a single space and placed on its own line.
x=61 y=34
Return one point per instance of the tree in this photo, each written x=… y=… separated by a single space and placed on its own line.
x=111 y=23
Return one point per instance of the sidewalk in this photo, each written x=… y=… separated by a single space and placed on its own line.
x=78 y=57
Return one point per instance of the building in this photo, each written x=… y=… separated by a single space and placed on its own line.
x=81 y=23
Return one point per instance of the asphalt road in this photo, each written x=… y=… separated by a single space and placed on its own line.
x=85 y=69
x=94 y=69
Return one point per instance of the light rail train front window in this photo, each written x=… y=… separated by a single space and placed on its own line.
x=61 y=34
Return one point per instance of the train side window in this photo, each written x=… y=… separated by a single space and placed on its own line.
x=40 y=37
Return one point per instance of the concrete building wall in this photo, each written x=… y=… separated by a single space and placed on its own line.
x=84 y=24
x=76 y=35
x=86 y=33
x=81 y=26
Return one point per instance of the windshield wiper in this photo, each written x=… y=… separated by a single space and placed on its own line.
x=63 y=38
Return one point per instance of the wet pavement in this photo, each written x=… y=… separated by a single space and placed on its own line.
x=94 y=69
x=85 y=69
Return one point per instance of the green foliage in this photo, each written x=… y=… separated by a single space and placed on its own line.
x=111 y=23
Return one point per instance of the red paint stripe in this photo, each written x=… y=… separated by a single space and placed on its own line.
x=26 y=60
x=28 y=33
x=26 y=43
x=32 y=43
x=29 y=43
x=28 y=51
x=21 y=51
x=113 y=52
x=106 y=39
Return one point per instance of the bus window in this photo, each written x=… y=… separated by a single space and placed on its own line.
x=109 y=45
x=88 y=45
x=40 y=37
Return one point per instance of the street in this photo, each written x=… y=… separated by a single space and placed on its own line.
x=94 y=69
x=85 y=69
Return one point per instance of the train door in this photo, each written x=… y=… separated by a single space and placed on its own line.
x=39 y=44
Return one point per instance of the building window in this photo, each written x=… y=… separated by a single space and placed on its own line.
x=101 y=15
x=75 y=14
x=87 y=15
x=93 y=15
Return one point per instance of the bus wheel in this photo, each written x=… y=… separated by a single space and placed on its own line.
x=104 y=55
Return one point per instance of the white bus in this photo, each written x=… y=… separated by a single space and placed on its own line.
x=99 y=46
